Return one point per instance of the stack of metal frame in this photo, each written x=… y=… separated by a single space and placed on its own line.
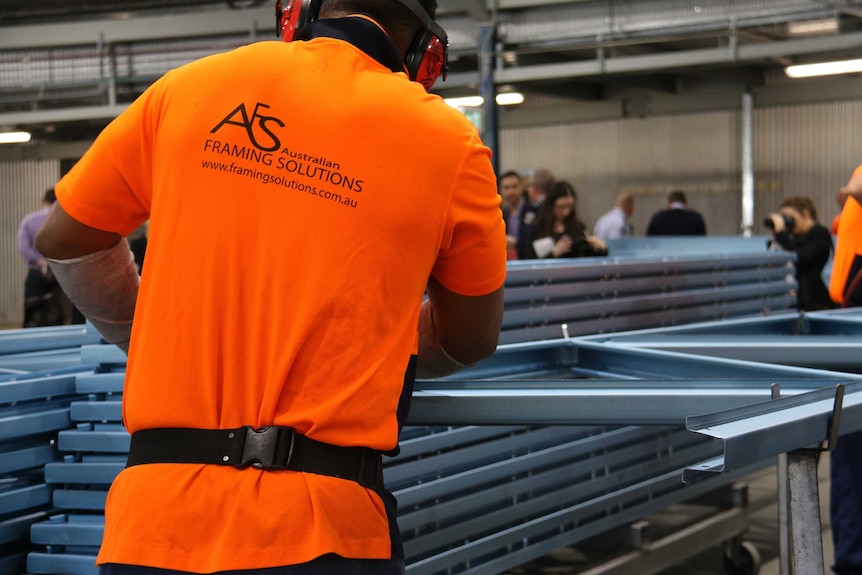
x=37 y=386
x=543 y=445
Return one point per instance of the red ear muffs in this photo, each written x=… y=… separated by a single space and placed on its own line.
x=293 y=15
x=426 y=59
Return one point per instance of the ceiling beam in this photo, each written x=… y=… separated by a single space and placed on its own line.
x=254 y=22
x=681 y=59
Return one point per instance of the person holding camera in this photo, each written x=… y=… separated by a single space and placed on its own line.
x=795 y=228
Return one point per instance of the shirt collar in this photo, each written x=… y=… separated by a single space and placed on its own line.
x=362 y=33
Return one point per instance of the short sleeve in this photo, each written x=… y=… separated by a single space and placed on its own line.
x=472 y=257
x=110 y=188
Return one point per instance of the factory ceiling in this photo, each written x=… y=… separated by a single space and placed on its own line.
x=67 y=67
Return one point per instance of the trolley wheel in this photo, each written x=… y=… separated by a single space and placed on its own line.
x=743 y=559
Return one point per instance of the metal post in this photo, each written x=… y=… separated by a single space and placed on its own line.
x=747 y=163
x=488 y=90
x=783 y=505
x=807 y=539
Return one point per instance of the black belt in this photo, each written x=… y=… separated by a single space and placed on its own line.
x=270 y=448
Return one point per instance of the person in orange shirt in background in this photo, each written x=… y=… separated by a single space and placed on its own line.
x=845 y=488
x=840 y=198
x=261 y=397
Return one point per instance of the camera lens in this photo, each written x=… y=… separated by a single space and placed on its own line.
x=789 y=222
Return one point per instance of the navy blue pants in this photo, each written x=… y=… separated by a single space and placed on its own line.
x=845 y=468
x=325 y=565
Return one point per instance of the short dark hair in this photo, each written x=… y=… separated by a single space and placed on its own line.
x=390 y=14
x=801 y=203
x=49 y=196
x=509 y=174
x=676 y=196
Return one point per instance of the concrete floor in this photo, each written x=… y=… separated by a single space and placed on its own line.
x=763 y=530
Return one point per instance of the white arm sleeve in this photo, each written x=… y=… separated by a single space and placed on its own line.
x=104 y=287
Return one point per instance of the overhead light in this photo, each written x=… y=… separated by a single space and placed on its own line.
x=510 y=98
x=503 y=99
x=812 y=27
x=465 y=102
x=14 y=137
x=824 y=68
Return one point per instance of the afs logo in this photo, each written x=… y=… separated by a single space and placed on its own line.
x=254 y=126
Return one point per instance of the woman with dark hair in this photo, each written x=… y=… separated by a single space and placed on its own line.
x=558 y=232
x=795 y=229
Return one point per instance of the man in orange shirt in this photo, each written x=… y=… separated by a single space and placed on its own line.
x=302 y=197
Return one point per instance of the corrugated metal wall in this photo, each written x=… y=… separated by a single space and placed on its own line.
x=799 y=150
x=810 y=150
x=22 y=185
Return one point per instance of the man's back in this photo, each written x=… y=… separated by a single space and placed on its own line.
x=612 y=225
x=294 y=224
x=676 y=222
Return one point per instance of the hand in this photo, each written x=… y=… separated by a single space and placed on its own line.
x=562 y=247
x=596 y=242
x=511 y=241
x=777 y=223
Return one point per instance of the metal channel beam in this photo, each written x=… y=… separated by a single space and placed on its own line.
x=45 y=338
x=536 y=537
x=529 y=272
x=579 y=402
x=820 y=352
x=763 y=431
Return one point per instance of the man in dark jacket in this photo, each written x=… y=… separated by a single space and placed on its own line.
x=677 y=219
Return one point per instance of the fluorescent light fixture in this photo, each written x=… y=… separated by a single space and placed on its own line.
x=824 y=68
x=14 y=137
x=503 y=99
x=510 y=98
x=465 y=102
x=812 y=27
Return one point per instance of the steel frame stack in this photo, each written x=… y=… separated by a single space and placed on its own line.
x=543 y=445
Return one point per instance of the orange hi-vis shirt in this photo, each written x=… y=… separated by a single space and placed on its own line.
x=299 y=197
x=848 y=247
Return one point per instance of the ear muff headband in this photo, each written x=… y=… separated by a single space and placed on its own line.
x=428 y=55
x=426 y=59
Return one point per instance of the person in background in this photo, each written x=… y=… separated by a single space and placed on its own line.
x=845 y=462
x=795 y=228
x=44 y=301
x=540 y=184
x=614 y=224
x=513 y=197
x=558 y=232
x=271 y=362
x=676 y=219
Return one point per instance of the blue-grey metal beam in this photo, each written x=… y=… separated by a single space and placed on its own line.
x=760 y=432
x=820 y=352
x=611 y=402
